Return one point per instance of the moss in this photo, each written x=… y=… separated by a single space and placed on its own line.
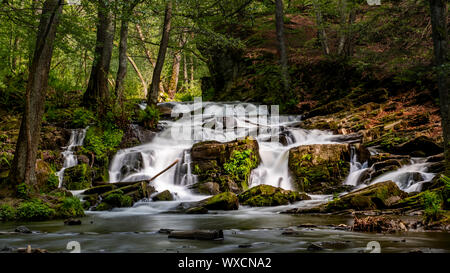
x=52 y=183
x=115 y=199
x=163 y=196
x=35 y=210
x=78 y=177
x=222 y=201
x=70 y=207
x=240 y=165
x=266 y=195
x=7 y=212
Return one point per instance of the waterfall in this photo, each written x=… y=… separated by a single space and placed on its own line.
x=70 y=159
x=357 y=169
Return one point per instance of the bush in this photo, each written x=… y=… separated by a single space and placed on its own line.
x=7 y=213
x=70 y=207
x=23 y=190
x=432 y=202
x=149 y=117
x=82 y=118
x=102 y=143
x=34 y=210
x=118 y=199
x=240 y=166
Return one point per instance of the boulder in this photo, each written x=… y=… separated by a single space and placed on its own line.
x=266 y=195
x=222 y=201
x=227 y=164
x=163 y=196
x=78 y=177
x=43 y=172
x=377 y=196
x=420 y=146
x=318 y=168
x=208 y=188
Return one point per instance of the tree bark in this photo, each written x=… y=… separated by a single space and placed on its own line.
x=185 y=70
x=97 y=93
x=438 y=10
x=279 y=18
x=175 y=74
x=322 y=33
x=122 y=71
x=343 y=26
x=23 y=165
x=138 y=72
x=156 y=79
x=191 y=80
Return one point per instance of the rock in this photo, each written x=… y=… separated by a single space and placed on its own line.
x=266 y=195
x=378 y=224
x=22 y=229
x=402 y=159
x=314 y=247
x=100 y=189
x=214 y=161
x=197 y=210
x=376 y=196
x=163 y=196
x=83 y=159
x=436 y=158
x=335 y=245
x=420 y=146
x=436 y=167
x=72 y=222
x=78 y=177
x=222 y=201
x=197 y=234
x=319 y=167
x=209 y=188
x=165 y=231
x=420 y=119
x=292 y=232
x=125 y=195
x=43 y=172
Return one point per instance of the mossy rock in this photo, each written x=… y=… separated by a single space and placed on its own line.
x=70 y=207
x=123 y=196
x=222 y=201
x=318 y=167
x=266 y=195
x=163 y=196
x=100 y=189
x=78 y=177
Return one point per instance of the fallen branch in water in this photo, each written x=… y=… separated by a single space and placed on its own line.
x=163 y=171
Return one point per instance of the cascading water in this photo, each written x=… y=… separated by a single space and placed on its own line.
x=70 y=159
x=220 y=122
x=356 y=169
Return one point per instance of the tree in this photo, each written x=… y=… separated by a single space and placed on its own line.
x=438 y=10
x=322 y=33
x=23 y=164
x=154 y=89
x=97 y=93
x=123 y=58
x=279 y=18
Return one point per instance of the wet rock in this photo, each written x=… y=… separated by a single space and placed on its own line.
x=197 y=210
x=292 y=232
x=163 y=196
x=387 y=157
x=245 y=246
x=266 y=195
x=78 y=177
x=31 y=250
x=307 y=226
x=420 y=146
x=22 y=229
x=436 y=167
x=83 y=159
x=197 y=234
x=436 y=158
x=209 y=159
x=378 y=224
x=100 y=189
x=209 y=188
x=72 y=222
x=321 y=166
x=125 y=195
x=314 y=247
x=335 y=244
x=165 y=231
x=222 y=201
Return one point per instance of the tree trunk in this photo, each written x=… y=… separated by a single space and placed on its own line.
x=438 y=10
x=191 y=80
x=97 y=92
x=122 y=71
x=23 y=165
x=138 y=72
x=322 y=34
x=175 y=74
x=279 y=17
x=185 y=70
x=343 y=26
x=156 y=79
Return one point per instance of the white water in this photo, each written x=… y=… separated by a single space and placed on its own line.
x=70 y=159
x=238 y=120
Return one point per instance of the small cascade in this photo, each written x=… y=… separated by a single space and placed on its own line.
x=70 y=159
x=356 y=169
x=409 y=178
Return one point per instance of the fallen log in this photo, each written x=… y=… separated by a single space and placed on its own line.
x=197 y=234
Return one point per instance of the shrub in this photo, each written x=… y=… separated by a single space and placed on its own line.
x=7 y=213
x=432 y=202
x=35 y=210
x=101 y=143
x=240 y=166
x=82 y=118
x=23 y=190
x=70 y=207
x=149 y=117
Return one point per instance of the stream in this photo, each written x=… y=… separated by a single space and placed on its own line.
x=245 y=230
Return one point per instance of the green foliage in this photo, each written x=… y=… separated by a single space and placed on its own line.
x=34 y=210
x=23 y=190
x=189 y=94
x=78 y=177
x=70 y=207
x=240 y=166
x=7 y=212
x=432 y=202
x=102 y=143
x=118 y=199
x=82 y=118
x=52 y=183
x=149 y=117
x=446 y=191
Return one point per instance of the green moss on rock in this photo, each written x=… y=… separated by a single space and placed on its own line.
x=266 y=195
x=222 y=201
x=78 y=177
